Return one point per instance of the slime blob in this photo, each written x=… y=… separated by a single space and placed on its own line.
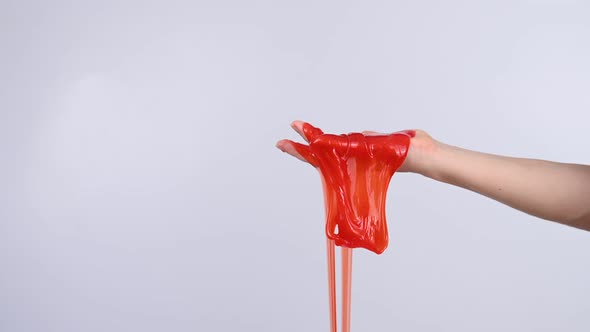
x=356 y=170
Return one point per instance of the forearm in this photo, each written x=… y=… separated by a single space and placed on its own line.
x=549 y=190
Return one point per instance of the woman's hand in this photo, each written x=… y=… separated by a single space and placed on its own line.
x=421 y=146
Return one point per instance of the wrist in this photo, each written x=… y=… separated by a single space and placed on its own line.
x=422 y=153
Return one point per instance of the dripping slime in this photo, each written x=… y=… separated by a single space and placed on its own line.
x=355 y=170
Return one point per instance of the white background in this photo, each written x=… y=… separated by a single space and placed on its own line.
x=140 y=189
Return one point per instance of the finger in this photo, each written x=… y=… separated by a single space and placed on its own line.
x=372 y=133
x=298 y=127
x=297 y=150
x=307 y=131
x=287 y=146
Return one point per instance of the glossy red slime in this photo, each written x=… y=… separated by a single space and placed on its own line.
x=356 y=170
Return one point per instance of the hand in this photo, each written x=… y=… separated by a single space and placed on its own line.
x=421 y=147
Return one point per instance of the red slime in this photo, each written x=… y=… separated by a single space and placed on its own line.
x=356 y=170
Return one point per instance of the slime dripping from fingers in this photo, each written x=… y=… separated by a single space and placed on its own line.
x=355 y=170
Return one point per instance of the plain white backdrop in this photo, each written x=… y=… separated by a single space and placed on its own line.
x=140 y=189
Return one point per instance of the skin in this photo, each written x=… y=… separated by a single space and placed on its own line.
x=549 y=190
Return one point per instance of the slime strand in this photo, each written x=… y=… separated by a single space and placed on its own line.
x=346 y=287
x=332 y=284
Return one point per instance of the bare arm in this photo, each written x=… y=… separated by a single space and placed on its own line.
x=549 y=190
